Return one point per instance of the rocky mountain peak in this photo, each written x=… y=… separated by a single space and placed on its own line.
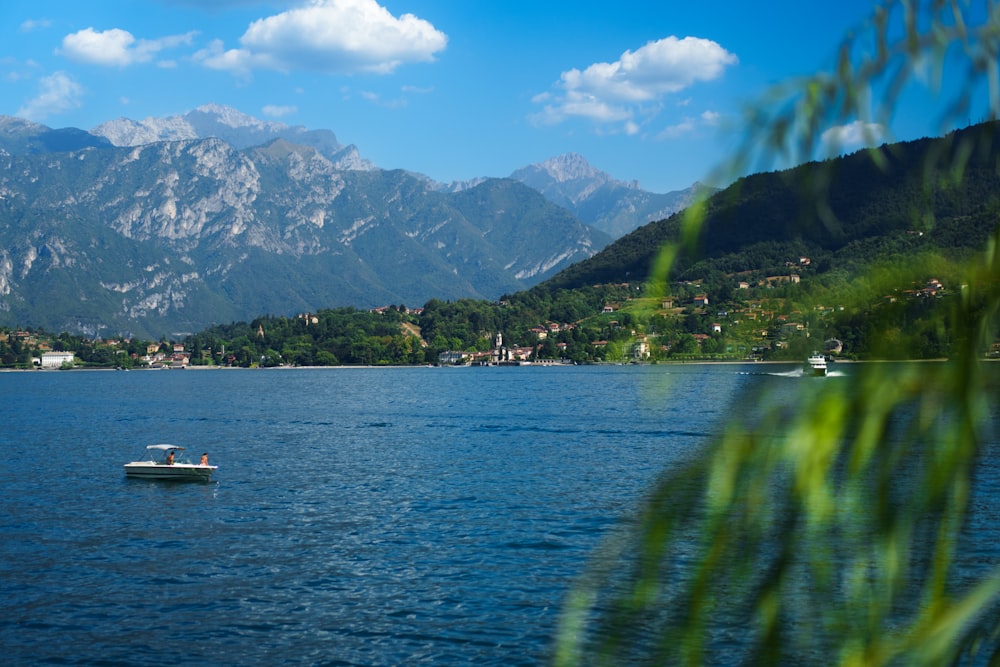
x=232 y=124
x=236 y=128
x=208 y=120
x=571 y=167
x=230 y=117
x=11 y=125
x=567 y=170
x=127 y=132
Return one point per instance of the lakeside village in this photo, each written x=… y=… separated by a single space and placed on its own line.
x=120 y=353
x=174 y=355
x=683 y=328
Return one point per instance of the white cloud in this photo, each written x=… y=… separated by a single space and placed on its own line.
x=686 y=126
x=853 y=135
x=58 y=92
x=710 y=117
x=276 y=111
x=375 y=98
x=589 y=106
x=216 y=57
x=690 y=125
x=116 y=47
x=15 y=71
x=636 y=83
x=32 y=25
x=332 y=36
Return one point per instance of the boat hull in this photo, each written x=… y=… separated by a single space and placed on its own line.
x=177 y=471
x=816 y=366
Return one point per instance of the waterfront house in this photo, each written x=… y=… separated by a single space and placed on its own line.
x=56 y=359
x=452 y=358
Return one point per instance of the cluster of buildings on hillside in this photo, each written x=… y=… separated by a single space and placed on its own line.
x=155 y=357
x=176 y=357
x=498 y=355
x=780 y=328
x=45 y=357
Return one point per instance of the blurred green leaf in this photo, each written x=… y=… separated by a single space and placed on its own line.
x=830 y=531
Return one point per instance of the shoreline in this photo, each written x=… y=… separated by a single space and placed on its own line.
x=695 y=362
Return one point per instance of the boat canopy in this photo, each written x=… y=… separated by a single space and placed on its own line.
x=164 y=447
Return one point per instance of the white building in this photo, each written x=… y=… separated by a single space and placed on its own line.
x=56 y=359
x=452 y=358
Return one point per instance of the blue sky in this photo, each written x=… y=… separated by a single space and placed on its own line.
x=454 y=89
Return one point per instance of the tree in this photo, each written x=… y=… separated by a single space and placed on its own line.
x=324 y=358
x=828 y=533
x=685 y=344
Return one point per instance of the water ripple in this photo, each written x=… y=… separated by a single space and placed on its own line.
x=371 y=517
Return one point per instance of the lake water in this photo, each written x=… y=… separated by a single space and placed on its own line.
x=359 y=516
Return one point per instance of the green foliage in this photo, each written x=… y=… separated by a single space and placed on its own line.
x=325 y=338
x=831 y=531
x=18 y=347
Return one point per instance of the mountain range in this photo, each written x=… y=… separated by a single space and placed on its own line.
x=237 y=129
x=596 y=198
x=165 y=226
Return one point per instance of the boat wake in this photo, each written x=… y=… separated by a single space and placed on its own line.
x=794 y=373
x=801 y=372
x=797 y=373
x=787 y=374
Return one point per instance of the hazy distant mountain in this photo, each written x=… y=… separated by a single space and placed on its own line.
x=23 y=137
x=596 y=198
x=568 y=176
x=236 y=128
x=171 y=236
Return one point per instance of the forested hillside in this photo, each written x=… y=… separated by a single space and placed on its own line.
x=843 y=211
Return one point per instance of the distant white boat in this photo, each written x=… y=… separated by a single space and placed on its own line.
x=816 y=365
x=167 y=466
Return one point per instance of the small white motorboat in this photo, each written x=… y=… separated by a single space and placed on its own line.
x=168 y=466
x=816 y=365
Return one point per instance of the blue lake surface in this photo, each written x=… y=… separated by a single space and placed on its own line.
x=359 y=516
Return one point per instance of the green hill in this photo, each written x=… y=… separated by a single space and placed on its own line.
x=868 y=204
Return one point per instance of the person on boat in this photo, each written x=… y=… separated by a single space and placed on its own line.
x=204 y=459
x=170 y=457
